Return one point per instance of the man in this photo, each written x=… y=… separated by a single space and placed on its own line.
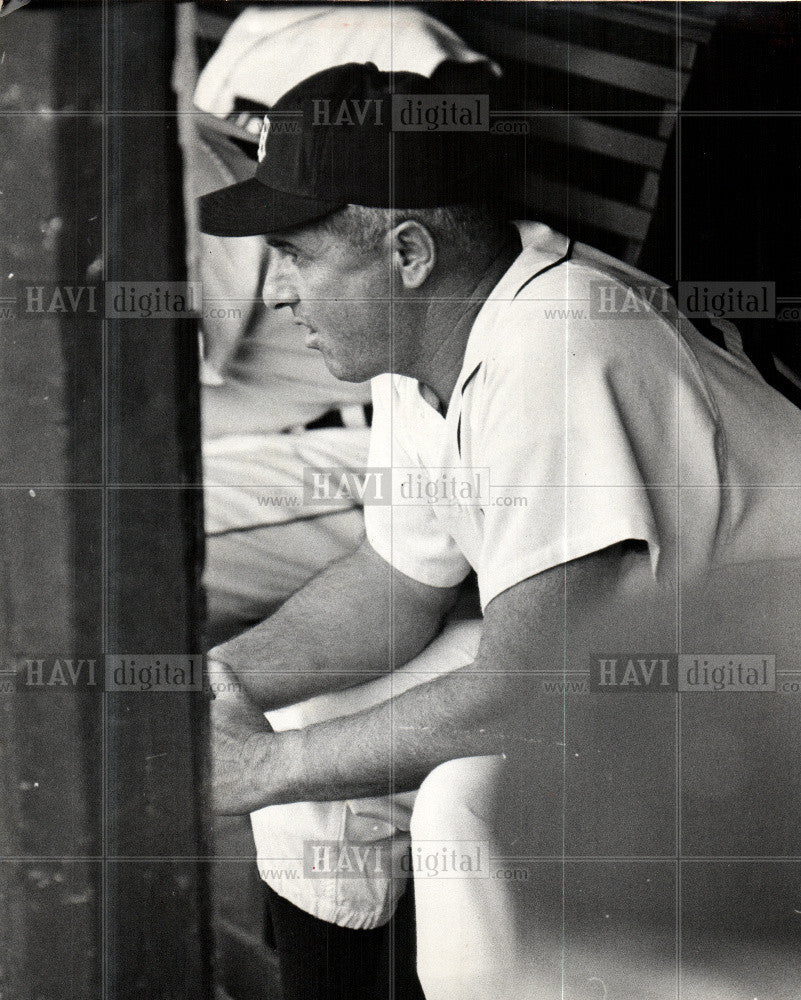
x=642 y=450
x=269 y=408
x=272 y=409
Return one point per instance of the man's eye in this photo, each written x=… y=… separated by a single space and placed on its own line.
x=283 y=252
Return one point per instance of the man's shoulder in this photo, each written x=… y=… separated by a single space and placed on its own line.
x=552 y=260
x=568 y=303
x=559 y=283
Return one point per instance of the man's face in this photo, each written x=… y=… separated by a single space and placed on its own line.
x=339 y=296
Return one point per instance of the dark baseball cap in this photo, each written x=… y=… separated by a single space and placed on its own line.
x=329 y=142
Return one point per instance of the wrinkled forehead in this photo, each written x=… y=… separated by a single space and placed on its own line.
x=315 y=231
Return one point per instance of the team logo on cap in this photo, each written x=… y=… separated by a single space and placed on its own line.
x=265 y=131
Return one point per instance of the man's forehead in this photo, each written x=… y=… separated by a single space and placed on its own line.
x=296 y=235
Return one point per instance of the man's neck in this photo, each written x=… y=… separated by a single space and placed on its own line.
x=449 y=320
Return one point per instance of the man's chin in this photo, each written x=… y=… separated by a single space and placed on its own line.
x=346 y=375
x=342 y=371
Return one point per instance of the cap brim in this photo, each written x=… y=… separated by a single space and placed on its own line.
x=250 y=208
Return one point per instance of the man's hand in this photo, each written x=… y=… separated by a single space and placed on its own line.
x=241 y=752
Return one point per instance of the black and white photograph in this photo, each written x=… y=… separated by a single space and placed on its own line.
x=400 y=500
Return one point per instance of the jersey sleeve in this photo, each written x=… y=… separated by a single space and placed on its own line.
x=555 y=421
x=407 y=536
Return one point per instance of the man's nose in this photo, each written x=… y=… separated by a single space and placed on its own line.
x=279 y=288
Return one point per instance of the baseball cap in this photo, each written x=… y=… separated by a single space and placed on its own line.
x=329 y=142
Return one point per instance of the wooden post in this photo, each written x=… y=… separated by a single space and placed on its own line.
x=102 y=872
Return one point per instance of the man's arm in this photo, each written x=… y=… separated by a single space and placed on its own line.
x=356 y=621
x=481 y=709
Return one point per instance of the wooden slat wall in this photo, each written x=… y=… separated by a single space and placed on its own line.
x=603 y=85
x=578 y=60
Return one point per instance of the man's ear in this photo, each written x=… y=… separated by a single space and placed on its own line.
x=414 y=252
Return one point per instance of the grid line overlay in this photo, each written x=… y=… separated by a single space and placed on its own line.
x=104 y=528
x=679 y=859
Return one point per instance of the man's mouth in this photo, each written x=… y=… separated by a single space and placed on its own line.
x=311 y=333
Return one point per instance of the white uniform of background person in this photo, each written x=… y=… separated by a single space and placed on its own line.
x=260 y=381
x=262 y=386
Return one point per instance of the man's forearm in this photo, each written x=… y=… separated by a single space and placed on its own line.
x=491 y=706
x=356 y=621
x=391 y=747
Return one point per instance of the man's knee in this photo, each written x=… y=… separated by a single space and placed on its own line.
x=454 y=801
x=454 y=810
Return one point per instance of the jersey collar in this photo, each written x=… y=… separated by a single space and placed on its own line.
x=542 y=248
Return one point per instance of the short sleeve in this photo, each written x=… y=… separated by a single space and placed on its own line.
x=556 y=420
x=409 y=537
